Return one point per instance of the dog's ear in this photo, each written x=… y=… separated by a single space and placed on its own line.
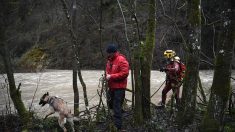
x=47 y=93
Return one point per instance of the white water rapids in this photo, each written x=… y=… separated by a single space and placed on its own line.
x=59 y=83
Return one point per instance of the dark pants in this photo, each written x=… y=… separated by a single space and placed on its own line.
x=115 y=101
x=170 y=85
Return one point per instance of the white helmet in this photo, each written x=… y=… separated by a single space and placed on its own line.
x=177 y=58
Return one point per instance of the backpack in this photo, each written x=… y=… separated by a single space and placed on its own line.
x=181 y=73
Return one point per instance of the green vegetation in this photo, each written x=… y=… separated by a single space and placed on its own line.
x=33 y=59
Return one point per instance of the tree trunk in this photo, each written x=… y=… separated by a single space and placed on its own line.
x=147 y=56
x=75 y=86
x=76 y=46
x=138 y=116
x=6 y=8
x=76 y=93
x=201 y=90
x=14 y=93
x=136 y=69
x=190 y=85
x=220 y=90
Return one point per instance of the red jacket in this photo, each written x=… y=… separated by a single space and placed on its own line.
x=172 y=72
x=118 y=68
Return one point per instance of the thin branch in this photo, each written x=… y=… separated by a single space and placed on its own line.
x=203 y=14
x=163 y=37
x=184 y=41
x=201 y=90
x=181 y=6
x=124 y=20
x=89 y=14
x=18 y=88
x=162 y=7
x=214 y=22
x=213 y=45
x=39 y=79
x=207 y=62
x=232 y=78
x=202 y=53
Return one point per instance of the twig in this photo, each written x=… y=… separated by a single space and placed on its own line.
x=201 y=90
x=203 y=14
x=205 y=56
x=129 y=90
x=35 y=92
x=18 y=88
x=162 y=7
x=124 y=20
x=101 y=101
x=213 y=45
x=207 y=62
x=199 y=98
x=128 y=100
x=214 y=22
x=184 y=41
x=88 y=13
x=101 y=27
x=128 y=42
x=163 y=37
x=158 y=89
x=232 y=78
x=181 y=6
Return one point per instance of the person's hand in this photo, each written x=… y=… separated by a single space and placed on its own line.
x=162 y=69
x=108 y=76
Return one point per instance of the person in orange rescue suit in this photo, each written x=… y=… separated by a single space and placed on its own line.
x=117 y=71
x=173 y=77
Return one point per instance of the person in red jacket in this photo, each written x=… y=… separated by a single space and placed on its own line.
x=117 y=71
x=172 y=70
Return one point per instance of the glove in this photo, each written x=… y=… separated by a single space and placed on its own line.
x=162 y=69
x=108 y=76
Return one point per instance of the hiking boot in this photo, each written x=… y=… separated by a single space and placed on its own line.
x=161 y=105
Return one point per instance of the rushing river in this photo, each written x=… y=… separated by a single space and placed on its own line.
x=59 y=83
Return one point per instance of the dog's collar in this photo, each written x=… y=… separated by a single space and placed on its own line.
x=51 y=100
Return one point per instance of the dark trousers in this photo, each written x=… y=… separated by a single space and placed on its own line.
x=167 y=88
x=115 y=101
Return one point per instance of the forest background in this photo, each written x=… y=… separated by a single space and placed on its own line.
x=39 y=31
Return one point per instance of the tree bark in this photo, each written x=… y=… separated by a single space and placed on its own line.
x=76 y=93
x=75 y=86
x=138 y=116
x=220 y=90
x=14 y=93
x=6 y=8
x=76 y=46
x=146 y=58
x=186 y=112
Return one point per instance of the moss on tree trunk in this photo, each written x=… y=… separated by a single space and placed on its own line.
x=220 y=90
x=190 y=85
x=146 y=58
x=138 y=116
x=14 y=93
x=6 y=8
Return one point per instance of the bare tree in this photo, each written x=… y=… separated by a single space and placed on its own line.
x=220 y=90
x=6 y=7
x=76 y=49
x=15 y=93
x=146 y=58
x=190 y=85
x=75 y=86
